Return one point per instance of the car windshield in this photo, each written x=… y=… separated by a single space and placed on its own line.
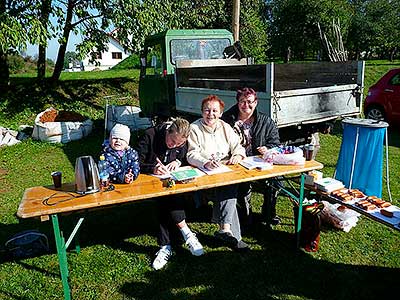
x=198 y=49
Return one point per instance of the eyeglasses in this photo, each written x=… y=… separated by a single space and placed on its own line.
x=242 y=102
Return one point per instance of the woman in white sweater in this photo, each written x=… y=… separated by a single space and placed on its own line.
x=212 y=142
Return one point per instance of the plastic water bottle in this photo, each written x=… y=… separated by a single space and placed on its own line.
x=103 y=173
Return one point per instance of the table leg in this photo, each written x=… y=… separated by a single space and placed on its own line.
x=300 y=212
x=62 y=256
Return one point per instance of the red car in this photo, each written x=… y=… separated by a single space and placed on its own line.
x=383 y=98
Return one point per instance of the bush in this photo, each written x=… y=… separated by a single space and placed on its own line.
x=131 y=62
x=16 y=63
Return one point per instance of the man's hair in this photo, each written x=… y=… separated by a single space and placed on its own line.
x=244 y=93
x=212 y=98
x=180 y=126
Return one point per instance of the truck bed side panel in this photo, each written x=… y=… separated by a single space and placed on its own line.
x=301 y=93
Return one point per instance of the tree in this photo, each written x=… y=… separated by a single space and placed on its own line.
x=254 y=29
x=136 y=19
x=19 y=26
x=383 y=19
x=293 y=24
x=90 y=18
x=44 y=19
x=70 y=57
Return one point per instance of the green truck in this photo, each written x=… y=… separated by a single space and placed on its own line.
x=181 y=67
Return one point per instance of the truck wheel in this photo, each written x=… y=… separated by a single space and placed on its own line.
x=376 y=113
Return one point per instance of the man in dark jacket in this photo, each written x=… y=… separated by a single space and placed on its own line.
x=258 y=133
x=163 y=149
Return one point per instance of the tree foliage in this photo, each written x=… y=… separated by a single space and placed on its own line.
x=293 y=24
x=19 y=26
x=90 y=19
x=268 y=28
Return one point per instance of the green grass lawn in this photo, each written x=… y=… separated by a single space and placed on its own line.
x=118 y=244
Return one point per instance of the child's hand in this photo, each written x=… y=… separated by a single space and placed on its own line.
x=129 y=177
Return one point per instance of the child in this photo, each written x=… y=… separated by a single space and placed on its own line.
x=122 y=160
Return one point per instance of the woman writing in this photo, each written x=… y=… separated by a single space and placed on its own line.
x=211 y=142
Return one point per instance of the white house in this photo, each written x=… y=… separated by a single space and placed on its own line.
x=107 y=60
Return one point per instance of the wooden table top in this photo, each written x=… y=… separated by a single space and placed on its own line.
x=43 y=201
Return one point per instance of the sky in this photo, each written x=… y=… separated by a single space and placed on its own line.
x=52 y=48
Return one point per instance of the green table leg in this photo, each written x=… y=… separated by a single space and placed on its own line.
x=62 y=257
x=300 y=213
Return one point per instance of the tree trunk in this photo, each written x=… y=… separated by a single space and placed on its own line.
x=4 y=70
x=63 y=46
x=41 y=63
x=392 y=53
x=236 y=19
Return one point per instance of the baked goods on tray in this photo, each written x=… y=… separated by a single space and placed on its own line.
x=348 y=195
x=372 y=202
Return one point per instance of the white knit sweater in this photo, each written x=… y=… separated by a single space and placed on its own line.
x=204 y=142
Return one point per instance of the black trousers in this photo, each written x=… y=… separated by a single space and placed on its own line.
x=269 y=189
x=171 y=212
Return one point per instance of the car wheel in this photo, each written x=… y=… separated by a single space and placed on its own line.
x=375 y=113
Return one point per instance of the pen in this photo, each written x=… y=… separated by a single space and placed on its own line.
x=161 y=165
x=215 y=160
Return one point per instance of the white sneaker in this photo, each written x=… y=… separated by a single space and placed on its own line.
x=162 y=257
x=194 y=245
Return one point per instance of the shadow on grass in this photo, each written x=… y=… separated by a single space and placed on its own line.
x=29 y=94
x=277 y=271
x=274 y=269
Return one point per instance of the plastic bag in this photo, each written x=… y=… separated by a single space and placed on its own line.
x=285 y=155
x=126 y=115
x=341 y=219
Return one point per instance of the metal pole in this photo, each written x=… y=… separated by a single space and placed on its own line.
x=387 y=165
x=236 y=19
x=354 y=158
x=62 y=257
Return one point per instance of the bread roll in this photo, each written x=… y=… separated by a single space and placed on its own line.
x=386 y=213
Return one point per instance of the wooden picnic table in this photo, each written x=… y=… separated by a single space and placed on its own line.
x=46 y=202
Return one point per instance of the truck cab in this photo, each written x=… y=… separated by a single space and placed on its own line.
x=159 y=59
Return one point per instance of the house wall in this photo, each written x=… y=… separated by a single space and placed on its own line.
x=106 y=61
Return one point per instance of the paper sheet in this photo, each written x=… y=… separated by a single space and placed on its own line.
x=221 y=169
x=252 y=162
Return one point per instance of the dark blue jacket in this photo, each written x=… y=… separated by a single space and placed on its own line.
x=264 y=131
x=118 y=165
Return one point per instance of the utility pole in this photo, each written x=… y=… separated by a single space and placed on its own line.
x=235 y=19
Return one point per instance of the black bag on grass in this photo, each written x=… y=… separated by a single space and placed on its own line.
x=28 y=243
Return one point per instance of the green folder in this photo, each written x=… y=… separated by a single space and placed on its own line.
x=183 y=175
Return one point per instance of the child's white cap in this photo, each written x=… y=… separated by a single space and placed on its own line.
x=121 y=131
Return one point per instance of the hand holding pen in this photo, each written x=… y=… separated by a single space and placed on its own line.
x=213 y=163
x=160 y=168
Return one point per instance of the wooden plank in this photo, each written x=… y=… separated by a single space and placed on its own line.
x=223 y=78
x=312 y=75
x=45 y=200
